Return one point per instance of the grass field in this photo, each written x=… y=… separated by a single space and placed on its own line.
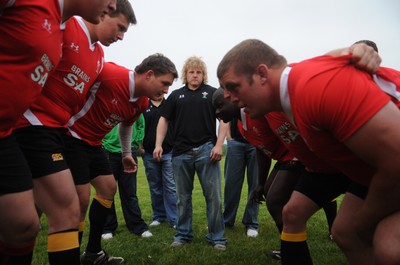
x=241 y=250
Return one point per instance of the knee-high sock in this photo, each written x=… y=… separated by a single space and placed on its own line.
x=63 y=247
x=294 y=249
x=98 y=213
x=80 y=231
x=330 y=212
x=280 y=227
x=16 y=255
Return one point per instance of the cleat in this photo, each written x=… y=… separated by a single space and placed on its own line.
x=275 y=254
x=101 y=258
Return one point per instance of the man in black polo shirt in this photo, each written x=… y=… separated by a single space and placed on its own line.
x=240 y=159
x=196 y=150
x=159 y=173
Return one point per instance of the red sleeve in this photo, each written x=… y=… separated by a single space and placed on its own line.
x=332 y=95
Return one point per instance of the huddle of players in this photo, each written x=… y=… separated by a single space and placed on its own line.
x=346 y=118
x=43 y=125
x=51 y=68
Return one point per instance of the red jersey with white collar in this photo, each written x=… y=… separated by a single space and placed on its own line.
x=291 y=138
x=30 y=48
x=388 y=80
x=111 y=101
x=258 y=133
x=330 y=101
x=65 y=91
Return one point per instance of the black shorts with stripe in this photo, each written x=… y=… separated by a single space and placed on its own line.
x=322 y=188
x=85 y=161
x=43 y=148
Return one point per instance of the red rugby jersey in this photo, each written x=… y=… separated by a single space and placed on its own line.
x=388 y=80
x=65 y=91
x=294 y=142
x=330 y=100
x=30 y=48
x=111 y=101
x=258 y=133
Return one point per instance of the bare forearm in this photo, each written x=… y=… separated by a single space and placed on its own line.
x=162 y=128
x=264 y=164
x=223 y=129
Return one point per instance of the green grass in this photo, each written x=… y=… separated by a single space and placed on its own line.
x=240 y=248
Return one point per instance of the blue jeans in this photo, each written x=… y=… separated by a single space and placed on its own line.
x=239 y=157
x=185 y=166
x=129 y=201
x=162 y=187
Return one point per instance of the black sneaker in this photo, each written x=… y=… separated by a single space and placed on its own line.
x=101 y=258
x=275 y=254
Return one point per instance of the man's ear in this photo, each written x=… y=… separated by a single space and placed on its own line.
x=262 y=72
x=149 y=74
x=102 y=17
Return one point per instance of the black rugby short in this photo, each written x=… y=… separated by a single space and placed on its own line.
x=322 y=188
x=85 y=161
x=43 y=148
x=358 y=190
x=15 y=175
x=294 y=166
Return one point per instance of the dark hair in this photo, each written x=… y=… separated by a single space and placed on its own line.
x=124 y=7
x=218 y=94
x=369 y=43
x=159 y=64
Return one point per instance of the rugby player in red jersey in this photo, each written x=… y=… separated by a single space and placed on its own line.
x=118 y=96
x=276 y=138
x=31 y=32
x=41 y=129
x=346 y=120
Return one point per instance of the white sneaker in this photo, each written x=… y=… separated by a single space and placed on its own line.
x=252 y=233
x=220 y=247
x=146 y=234
x=107 y=236
x=154 y=223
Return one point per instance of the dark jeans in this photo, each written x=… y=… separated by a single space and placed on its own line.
x=127 y=194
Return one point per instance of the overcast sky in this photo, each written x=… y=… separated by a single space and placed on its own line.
x=297 y=29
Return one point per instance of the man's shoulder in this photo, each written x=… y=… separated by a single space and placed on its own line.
x=113 y=71
x=178 y=91
x=208 y=87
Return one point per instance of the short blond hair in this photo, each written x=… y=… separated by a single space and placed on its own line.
x=194 y=62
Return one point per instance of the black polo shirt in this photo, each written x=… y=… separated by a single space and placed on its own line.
x=193 y=115
x=151 y=117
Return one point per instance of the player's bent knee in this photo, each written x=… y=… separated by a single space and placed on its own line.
x=27 y=231
x=290 y=215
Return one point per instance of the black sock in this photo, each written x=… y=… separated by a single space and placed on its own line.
x=97 y=217
x=330 y=212
x=294 y=249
